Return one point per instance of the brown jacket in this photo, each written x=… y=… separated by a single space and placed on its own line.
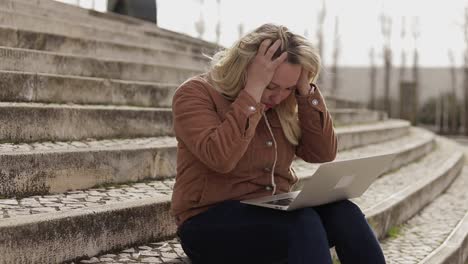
x=226 y=151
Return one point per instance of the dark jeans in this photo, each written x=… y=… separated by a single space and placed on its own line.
x=233 y=232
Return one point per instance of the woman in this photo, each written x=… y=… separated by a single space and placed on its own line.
x=239 y=127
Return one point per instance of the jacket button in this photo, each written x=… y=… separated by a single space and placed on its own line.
x=252 y=108
x=315 y=102
x=266 y=169
x=269 y=143
x=268 y=188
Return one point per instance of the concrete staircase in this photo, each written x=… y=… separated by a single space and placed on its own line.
x=87 y=154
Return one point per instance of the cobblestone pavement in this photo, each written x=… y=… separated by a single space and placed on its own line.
x=8 y=148
x=87 y=198
x=426 y=231
x=160 y=252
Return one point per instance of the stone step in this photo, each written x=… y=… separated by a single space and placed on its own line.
x=62 y=89
x=26 y=39
x=357 y=116
x=334 y=101
x=118 y=223
x=49 y=24
x=14 y=59
x=360 y=135
x=416 y=144
x=55 y=167
x=21 y=86
x=434 y=236
x=437 y=234
x=31 y=122
x=110 y=21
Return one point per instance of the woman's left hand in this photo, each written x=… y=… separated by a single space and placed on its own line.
x=303 y=85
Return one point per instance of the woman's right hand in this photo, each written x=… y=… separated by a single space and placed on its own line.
x=262 y=68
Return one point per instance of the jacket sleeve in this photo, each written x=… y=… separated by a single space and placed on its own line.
x=318 y=142
x=218 y=144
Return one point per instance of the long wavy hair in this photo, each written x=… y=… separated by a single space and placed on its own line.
x=228 y=69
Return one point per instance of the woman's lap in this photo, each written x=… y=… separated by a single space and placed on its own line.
x=233 y=232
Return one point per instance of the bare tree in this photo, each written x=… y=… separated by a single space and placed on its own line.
x=403 y=52
x=386 y=28
x=200 y=23
x=445 y=113
x=321 y=20
x=453 y=101
x=240 y=29
x=336 y=55
x=373 y=78
x=465 y=70
x=438 y=111
x=218 y=25
x=416 y=32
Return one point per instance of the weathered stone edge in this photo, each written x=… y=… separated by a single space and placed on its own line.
x=30 y=171
x=349 y=138
x=59 y=43
x=112 y=19
x=15 y=59
x=402 y=206
x=454 y=250
x=26 y=174
x=63 y=236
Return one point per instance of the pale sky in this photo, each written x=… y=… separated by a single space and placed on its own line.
x=359 y=25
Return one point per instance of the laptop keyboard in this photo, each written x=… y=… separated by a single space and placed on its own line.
x=283 y=202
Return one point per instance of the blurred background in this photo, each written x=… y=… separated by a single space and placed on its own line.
x=408 y=58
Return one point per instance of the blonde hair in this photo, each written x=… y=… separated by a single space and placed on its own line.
x=228 y=69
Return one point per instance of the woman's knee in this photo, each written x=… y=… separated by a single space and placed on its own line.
x=344 y=209
x=306 y=215
x=306 y=219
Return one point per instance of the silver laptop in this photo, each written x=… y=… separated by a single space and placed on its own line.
x=332 y=181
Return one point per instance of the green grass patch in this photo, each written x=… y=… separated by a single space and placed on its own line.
x=394 y=231
x=336 y=261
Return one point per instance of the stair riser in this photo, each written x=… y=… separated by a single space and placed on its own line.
x=352 y=140
x=410 y=155
x=25 y=87
x=455 y=248
x=65 y=238
x=67 y=12
x=25 y=124
x=24 y=60
x=339 y=103
x=62 y=27
x=62 y=44
x=344 y=118
x=24 y=175
x=402 y=207
x=109 y=21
